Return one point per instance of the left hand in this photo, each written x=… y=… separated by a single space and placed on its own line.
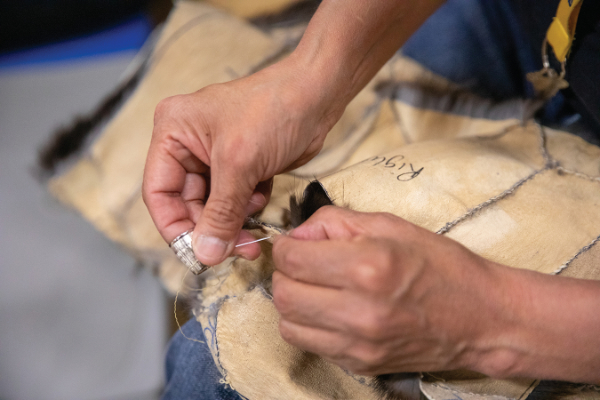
x=376 y=294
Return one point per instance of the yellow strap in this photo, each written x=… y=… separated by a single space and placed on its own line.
x=561 y=33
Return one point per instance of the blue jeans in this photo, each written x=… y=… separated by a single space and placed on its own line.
x=483 y=46
x=478 y=44
x=190 y=369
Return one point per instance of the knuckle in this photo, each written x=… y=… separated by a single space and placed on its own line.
x=375 y=357
x=167 y=107
x=372 y=325
x=322 y=213
x=328 y=212
x=369 y=359
x=279 y=253
x=373 y=274
x=502 y=366
x=281 y=298
x=285 y=331
x=239 y=157
x=336 y=352
x=385 y=220
x=367 y=277
x=289 y=259
x=221 y=214
x=386 y=261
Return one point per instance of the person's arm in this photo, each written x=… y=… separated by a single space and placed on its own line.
x=347 y=42
x=553 y=333
x=230 y=139
x=376 y=294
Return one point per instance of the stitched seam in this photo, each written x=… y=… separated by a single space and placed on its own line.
x=578 y=174
x=536 y=382
x=580 y=252
x=549 y=163
x=469 y=393
x=470 y=213
x=220 y=303
x=360 y=380
x=266 y=225
x=548 y=160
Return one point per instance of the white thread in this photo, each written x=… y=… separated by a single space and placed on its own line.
x=175 y=310
x=254 y=241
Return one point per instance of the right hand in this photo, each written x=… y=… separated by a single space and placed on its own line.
x=214 y=153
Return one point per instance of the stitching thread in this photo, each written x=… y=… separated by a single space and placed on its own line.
x=580 y=252
x=175 y=311
x=469 y=393
x=577 y=174
x=549 y=163
x=491 y=201
x=254 y=221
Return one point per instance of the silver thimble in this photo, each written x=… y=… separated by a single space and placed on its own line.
x=182 y=246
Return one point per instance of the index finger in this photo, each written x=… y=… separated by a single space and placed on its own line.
x=328 y=222
x=324 y=263
x=163 y=184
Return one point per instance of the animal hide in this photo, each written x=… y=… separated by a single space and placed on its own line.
x=463 y=167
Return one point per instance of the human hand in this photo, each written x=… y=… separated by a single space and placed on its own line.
x=376 y=294
x=214 y=152
x=229 y=140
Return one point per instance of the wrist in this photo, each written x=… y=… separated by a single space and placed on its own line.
x=307 y=92
x=539 y=326
x=496 y=342
x=348 y=41
x=323 y=73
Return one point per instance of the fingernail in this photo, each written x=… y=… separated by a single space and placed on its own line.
x=210 y=248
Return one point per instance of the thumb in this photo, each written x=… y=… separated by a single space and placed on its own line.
x=223 y=215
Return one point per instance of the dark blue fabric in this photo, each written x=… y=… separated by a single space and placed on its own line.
x=583 y=65
x=191 y=373
x=479 y=45
x=489 y=46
